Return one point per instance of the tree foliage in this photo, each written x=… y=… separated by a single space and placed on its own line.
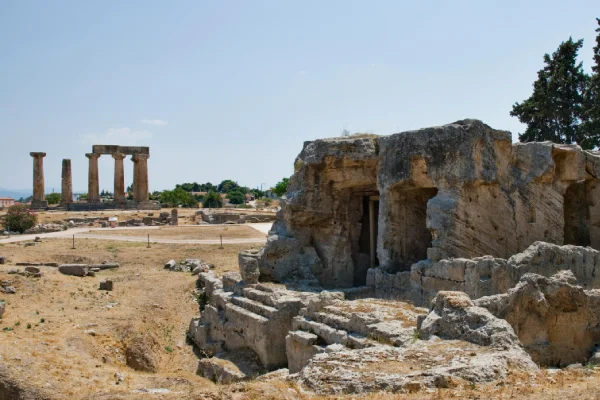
x=592 y=110
x=236 y=197
x=281 y=187
x=555 y=109
x=53 y=198
x=212 y=200
x=19 y=218
x=177 y=197
x=565 y=104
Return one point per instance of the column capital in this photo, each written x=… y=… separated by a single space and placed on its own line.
x=118 y=156
x=93 y=155
x=37 y=155
x=139 y=157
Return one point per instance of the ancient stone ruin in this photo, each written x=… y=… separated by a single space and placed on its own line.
x=139 y=156
x=498 y=240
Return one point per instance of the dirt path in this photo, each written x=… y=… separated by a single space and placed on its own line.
x=85 y=234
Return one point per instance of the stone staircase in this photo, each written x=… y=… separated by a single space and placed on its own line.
x=239 y=316
x=329 y=324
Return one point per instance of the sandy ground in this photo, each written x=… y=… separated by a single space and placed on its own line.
x=45 y=338
x=196 y=232
x=62 y=338
x=187 y=216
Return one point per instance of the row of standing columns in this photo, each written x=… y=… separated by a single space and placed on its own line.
x=140 y=179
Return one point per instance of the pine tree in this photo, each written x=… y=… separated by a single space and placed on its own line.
x=592 y=106
x=555 y=109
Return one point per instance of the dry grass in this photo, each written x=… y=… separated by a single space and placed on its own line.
x=198 y=232
x=44 y=341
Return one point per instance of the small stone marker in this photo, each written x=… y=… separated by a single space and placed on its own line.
x=174 y=220
x=106 y=285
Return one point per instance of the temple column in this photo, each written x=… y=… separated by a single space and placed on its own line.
x=119 y=191
x=140 y=177
x=93 y=182
x=66 y=191
x=38 y=181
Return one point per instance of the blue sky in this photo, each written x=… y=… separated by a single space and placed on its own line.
x=231 y=89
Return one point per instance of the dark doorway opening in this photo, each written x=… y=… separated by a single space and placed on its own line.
x=367 y=255
x=411 y=237
x=577 y=215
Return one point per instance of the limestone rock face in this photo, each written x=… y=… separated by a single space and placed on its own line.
x=555 y=320
x=485 y=276
x=461 y=190
x=458 y=342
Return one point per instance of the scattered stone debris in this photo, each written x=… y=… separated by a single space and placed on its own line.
x=2 y=308
x=106 y=285
x=2 y=260
x=29 y=244
x=193 y=265
x=75 y=270
x=230 y=367
x=119 y=377
x=37 y=264
x=37 y=239
x=90 y=332
x=85 y=269
x=45 y=228
x=33 y=270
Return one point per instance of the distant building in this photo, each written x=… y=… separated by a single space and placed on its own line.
x=6 y=201
x=199 y=193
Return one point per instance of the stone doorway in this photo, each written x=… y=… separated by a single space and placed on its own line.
x=367 y=253
x=410 y=236
x=576 y=210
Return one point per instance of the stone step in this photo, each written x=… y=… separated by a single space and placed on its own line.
x=332 y=335
x=240 y=312
x=332 y=320
x=254 y=306
x=260 y=296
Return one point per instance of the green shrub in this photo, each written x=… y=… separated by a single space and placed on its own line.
x=212 y=200
x=19 y=218
x=236 y=197
x=53 y=198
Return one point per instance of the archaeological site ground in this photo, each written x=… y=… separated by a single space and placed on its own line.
x=446 y=262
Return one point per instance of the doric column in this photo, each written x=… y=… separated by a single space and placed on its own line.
x=119 y=178
x=66 y=190
x=38 y=181
x=140 y=177
x=93 y=183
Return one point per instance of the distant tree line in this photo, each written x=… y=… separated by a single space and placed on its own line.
x=565 y=104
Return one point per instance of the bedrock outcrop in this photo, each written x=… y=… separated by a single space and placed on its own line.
x=459 y=191
x=556 y=320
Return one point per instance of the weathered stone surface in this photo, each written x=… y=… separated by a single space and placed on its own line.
x=66 y=194
x=485 y=276
x=75 y=269
x=93 y=179
x=230 y=367
x=249 y=266
x=119 y=182
x=555 y=320
x=38 y=181
x=461 y=190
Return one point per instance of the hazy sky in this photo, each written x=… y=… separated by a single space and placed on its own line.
x=231 y=89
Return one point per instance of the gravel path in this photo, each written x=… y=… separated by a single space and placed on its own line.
x=85 y=233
